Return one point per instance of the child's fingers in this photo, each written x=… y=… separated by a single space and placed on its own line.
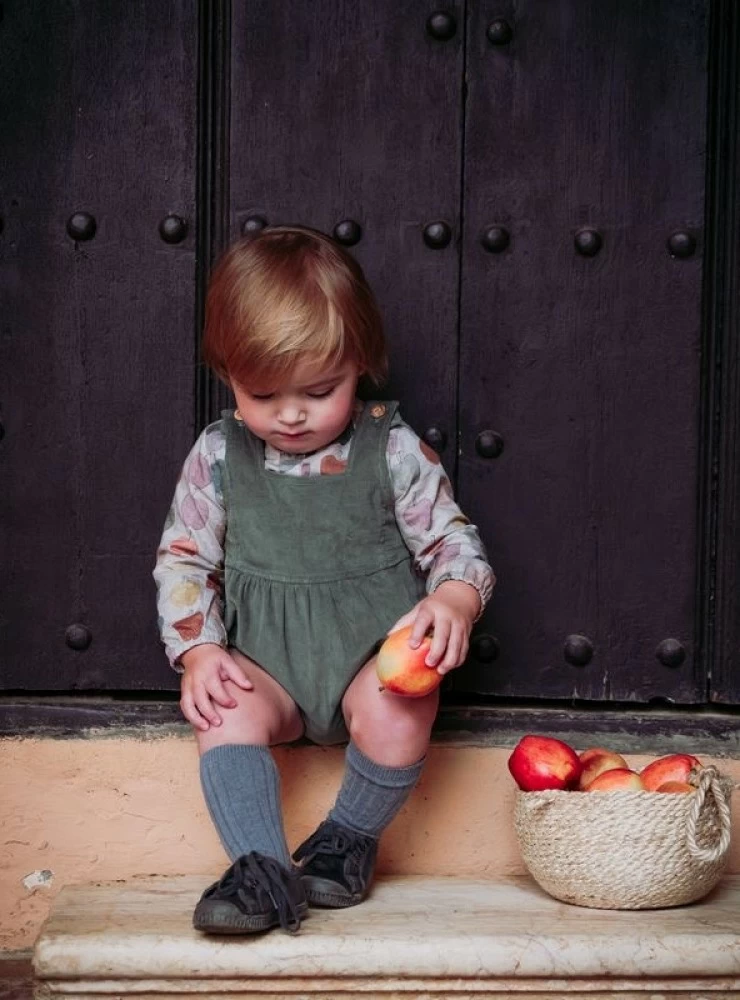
x=205 y=706
x=457 y=648
x=235 y=673
x=423 y=621
x=191 y=713
x=218 y=693
x=439 y=644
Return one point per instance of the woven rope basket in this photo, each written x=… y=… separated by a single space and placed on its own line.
x=627 y=850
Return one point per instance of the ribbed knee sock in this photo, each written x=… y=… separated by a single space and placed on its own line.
x=241 y=786
x=371 y=794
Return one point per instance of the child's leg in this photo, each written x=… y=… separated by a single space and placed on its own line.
x=242 y=789
x=389 y=736
x=240 y=781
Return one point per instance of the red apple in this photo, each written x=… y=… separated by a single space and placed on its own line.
x=541 y=762
x=674 y=767
x=618 y=779
x=675 y=786
x=595 y=761
x=402 y=669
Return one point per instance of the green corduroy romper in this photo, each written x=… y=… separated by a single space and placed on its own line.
x=316 y=569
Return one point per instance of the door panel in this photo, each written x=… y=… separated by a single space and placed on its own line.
x=588 y=367
x=353 y=111
x=97 y=355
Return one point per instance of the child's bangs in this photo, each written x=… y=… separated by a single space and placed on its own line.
x=289 y=331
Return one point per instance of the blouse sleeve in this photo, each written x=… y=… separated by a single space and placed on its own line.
x=443 y=543
x=189 y=567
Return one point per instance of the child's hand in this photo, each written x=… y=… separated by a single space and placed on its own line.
x=202 y=686
x=450 y=611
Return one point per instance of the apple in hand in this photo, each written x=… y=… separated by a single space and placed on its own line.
x=618 y=779
x=674 y=767
x=402 y=670
x=541 y=762
x=595 y=761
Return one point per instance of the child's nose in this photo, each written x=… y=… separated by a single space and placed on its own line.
x=292 y=413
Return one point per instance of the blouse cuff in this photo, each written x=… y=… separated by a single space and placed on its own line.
x=175 y=653
x=482 y=582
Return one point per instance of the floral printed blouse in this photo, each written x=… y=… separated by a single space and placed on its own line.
x=444 y=545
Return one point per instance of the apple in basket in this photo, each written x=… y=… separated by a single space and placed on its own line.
x=595 y=761
x=674 y=767
x=402 y=670
x=541 y=762
x=675 y=786
x=619 y=779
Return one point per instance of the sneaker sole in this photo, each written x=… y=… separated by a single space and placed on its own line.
x=334 y=902
x=239 y=923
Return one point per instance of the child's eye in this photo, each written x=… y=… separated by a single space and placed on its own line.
x=321 y=393
x=261 y=396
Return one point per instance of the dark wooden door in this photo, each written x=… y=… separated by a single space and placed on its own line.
x=521 y=183
x=97 y=353
x=580 y=343
x=357 y=130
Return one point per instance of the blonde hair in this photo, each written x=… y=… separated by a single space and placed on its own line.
x=286 y=295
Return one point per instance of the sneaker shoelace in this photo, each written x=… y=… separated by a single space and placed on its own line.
x=255 y=871
x=331 y=842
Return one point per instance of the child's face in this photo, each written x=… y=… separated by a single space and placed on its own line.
x=303 y=413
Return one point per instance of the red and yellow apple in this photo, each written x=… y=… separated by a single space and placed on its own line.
x=402 y=670
x=541 y=762
x=617 y=779
x=675 y=786
x=595 y=761
x=674 y=767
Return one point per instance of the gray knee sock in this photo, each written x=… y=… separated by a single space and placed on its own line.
x=371 y=794
x=241 y=785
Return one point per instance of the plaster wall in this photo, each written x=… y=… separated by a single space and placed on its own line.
x=112 y=807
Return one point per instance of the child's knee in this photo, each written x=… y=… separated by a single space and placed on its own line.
x=404 y=723
x=257 y=720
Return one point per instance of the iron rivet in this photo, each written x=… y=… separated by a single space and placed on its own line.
x=495 y=239
x=578 y=650
x=253 y=224
x=173 y=229
x=81 y=226
x=489 y=444
x=588 y=242
x=486 y=648
x=499 y=32
x=436 y=438
x=78 y=636
x=670 y=652
x=441 y=25
x=437 y=235
x=348 y=232
x=681 y=244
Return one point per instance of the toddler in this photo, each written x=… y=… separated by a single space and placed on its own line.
x=305 y=526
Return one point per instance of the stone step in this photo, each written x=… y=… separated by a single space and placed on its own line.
x=414 y=937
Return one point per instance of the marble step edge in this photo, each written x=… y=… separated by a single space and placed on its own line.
x=345 y=987
x=412 y=931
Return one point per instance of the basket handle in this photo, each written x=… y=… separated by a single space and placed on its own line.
x=709 y=784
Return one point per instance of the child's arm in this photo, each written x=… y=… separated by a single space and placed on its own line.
x=189 y=578
x=445 y=547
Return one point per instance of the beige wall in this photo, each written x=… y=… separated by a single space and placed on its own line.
x=105 y=808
